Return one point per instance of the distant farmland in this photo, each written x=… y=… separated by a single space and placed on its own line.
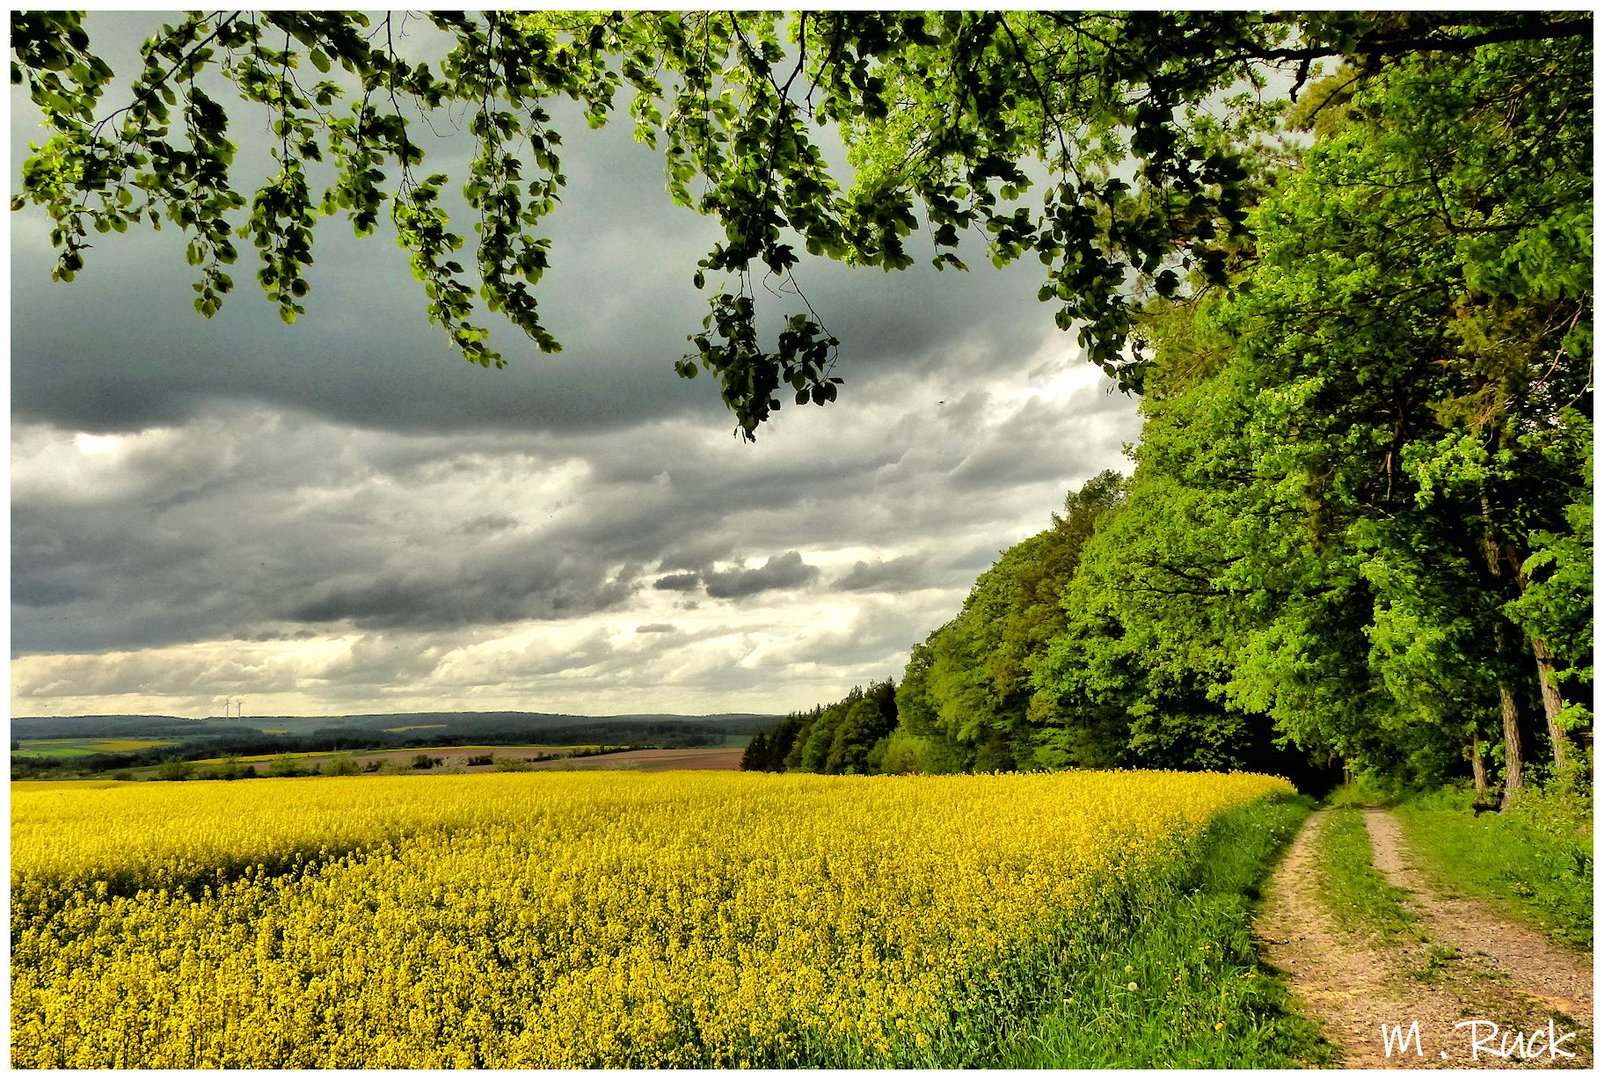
x=471 y=759
x=716 y=757
x=139 y=746
x=84 y=747
x=445 y=758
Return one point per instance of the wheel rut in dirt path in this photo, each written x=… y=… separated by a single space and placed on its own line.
x=1359 y=987
x=1519 y=957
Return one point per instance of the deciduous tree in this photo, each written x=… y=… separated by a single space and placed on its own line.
x=1128 y=128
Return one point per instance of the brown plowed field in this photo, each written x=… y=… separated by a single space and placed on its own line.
x=718 y=757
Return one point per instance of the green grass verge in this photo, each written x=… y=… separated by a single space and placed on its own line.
x=1202 y=997
x=1354 y=890
x=1534 y=861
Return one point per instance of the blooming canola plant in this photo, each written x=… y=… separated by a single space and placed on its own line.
x=558 y=920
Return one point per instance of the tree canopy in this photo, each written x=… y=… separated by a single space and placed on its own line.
x=1113 y=146
x=1359 y=525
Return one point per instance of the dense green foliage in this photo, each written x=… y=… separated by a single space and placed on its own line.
x=1361 y=467
x=845 y=737
x=1138 y=121
x=1359 y=527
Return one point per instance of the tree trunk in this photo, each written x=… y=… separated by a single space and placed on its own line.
x=1552 y=702
x=1506 y=696
x=1512 y=754
x=1478 y=766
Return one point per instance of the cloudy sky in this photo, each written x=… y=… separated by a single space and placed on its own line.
x=343 y=516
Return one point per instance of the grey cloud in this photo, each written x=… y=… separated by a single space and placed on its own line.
x=378 y=659
x=1040 y=441
x=269 y=633
x=131 y=673
x=786 y=571
x=490 y=523
x=904 y=572
x=279 y=539
x=678 y=582
x=656 y=628
x=511 y=590
x=81 y=578
x=880 y=634
x=589 y=652
x=249 y=524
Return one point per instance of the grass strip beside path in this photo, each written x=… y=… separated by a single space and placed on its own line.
x=1182 y=985
x=1356 y=893
x=1533 y=863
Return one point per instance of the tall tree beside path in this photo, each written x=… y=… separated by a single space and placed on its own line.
x=1358 y=499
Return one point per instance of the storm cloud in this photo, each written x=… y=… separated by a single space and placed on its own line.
x=343 y=515
x=786 y=571
x=900 y=574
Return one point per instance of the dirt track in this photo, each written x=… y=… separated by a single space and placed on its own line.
x=1483 y=968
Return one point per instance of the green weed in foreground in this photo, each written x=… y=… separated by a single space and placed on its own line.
x=1534 y=861
x=1435 y=962
x=1355 y=891
x=1181 y=983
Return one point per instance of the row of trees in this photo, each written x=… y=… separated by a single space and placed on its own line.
x=285 y=765
x=975 y=696
x=845 y=737
x=1360 y=522
x=289 y=765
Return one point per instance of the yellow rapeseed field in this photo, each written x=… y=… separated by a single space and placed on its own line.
x=560 y=919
